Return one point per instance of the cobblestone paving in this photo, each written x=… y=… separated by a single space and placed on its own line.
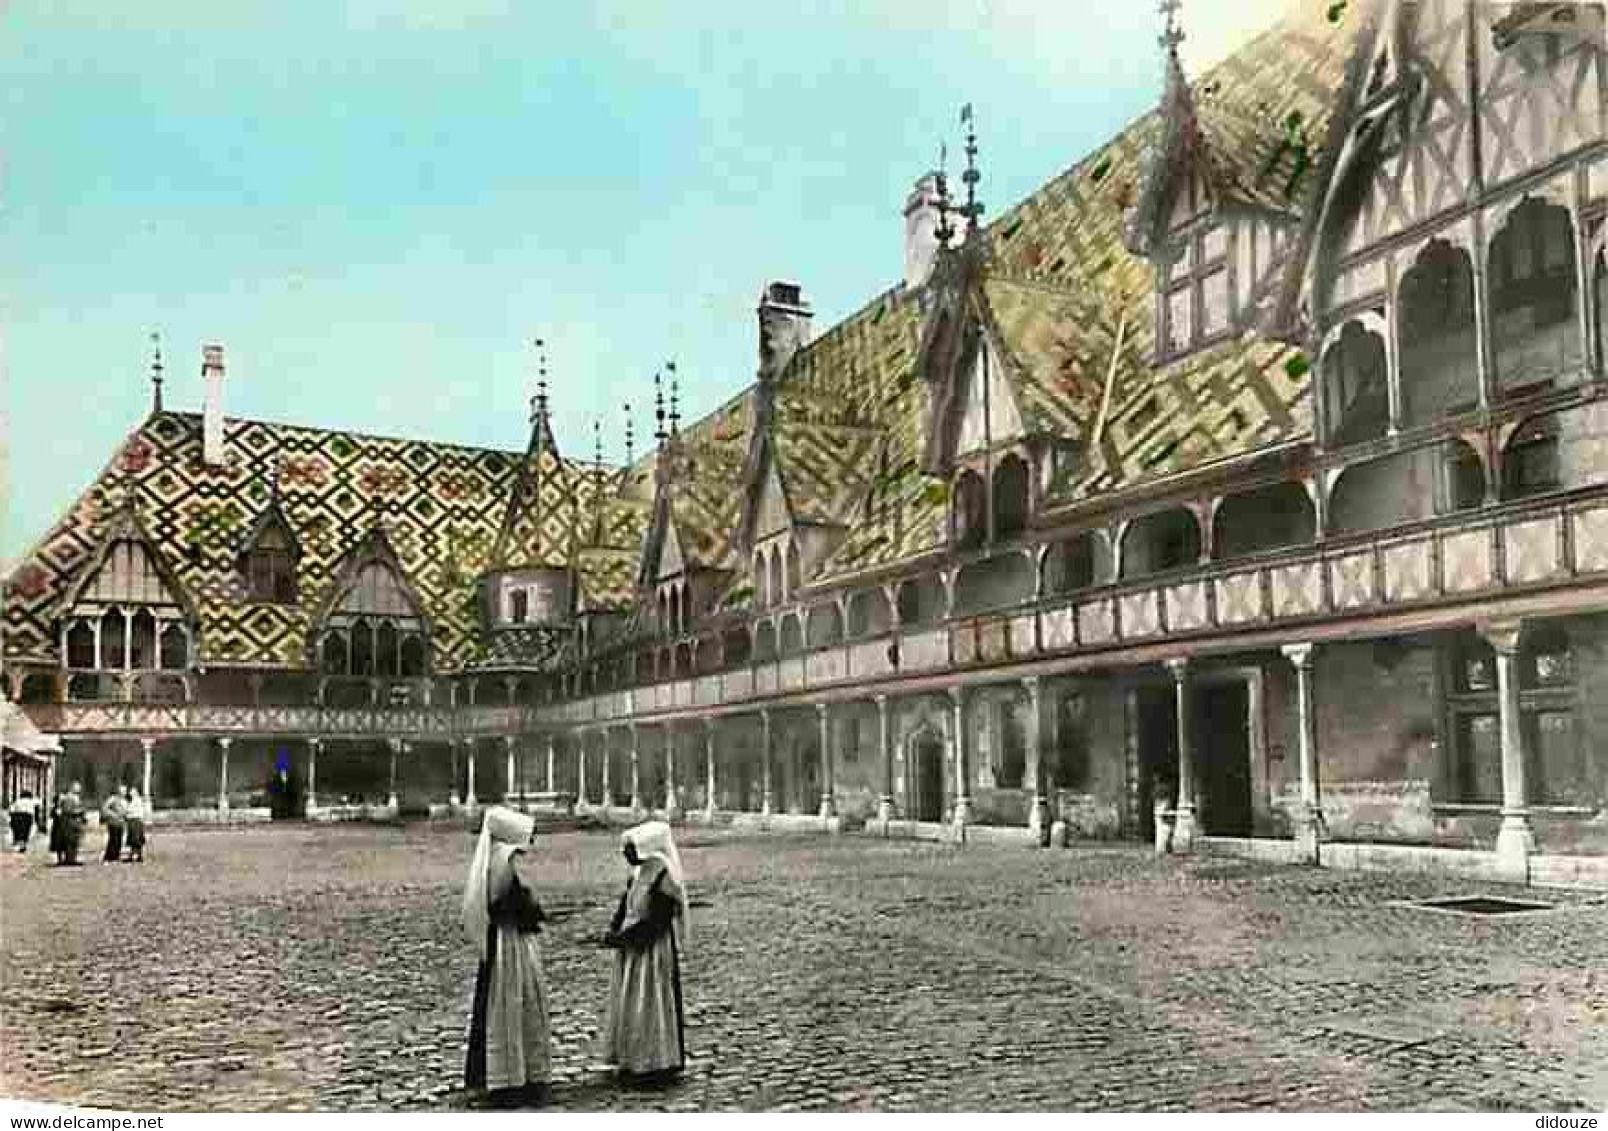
x=301 y=968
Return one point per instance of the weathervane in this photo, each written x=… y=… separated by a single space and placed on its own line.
x=630 y=436
x=539 y=401
x=658 y=409
x=974 y=207
x=945 y=230
x=675 y=400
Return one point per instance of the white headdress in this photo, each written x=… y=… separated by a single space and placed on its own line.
x=652 y=841
x=503 y=832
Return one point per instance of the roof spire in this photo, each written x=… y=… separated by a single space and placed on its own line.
x=156 y=371
x=1172 y=33
x=658 y=409
x=675 y=400
x=945 y=230
x=630 y=436
x=973 y=211
x=538 y=403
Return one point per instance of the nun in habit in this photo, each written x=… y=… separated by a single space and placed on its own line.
x=643 y=1030
x=508 y=1026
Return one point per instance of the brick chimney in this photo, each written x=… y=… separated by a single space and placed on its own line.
x=212 y=406
x=921 y=230
x=784 y=326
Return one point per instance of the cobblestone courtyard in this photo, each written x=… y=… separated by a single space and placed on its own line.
x=294 y=967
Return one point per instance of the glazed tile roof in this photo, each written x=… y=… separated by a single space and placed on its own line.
x=441 y=505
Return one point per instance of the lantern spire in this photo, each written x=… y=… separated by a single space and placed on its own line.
x=156 y=371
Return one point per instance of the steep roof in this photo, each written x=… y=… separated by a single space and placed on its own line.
x=440 y=504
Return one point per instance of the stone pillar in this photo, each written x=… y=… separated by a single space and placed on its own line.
x=454 y=801
x=552 y=754
x=885 y=747
x=310 y=799
x=508 y=768
x=828 y=794
x=1309 y=818
x=963 y=809
x=1039 y=813
x=1183 y=831
x=672 y=795
x=469 y=799
x=223 y=774
x=709 y=771
x=391 y=800
x=608 y=788
x=1515 y=842
x=147 y=745
x=767 y=794
x=580 y=772
x=636 y=773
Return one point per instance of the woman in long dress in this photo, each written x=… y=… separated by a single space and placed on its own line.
x=134 y=839
x=508 y=1027
x=644 y=1032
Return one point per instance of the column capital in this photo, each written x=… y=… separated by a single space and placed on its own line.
x=881 y=700
x=315 y=743
x=508 y=741
x=709 y=726
x=957 y=694
x=1033 y=684
x=146 y=744
x=1503 y=635
x=1298 y=654
x=820 y=709
x=225 y=741
x=1178 y=666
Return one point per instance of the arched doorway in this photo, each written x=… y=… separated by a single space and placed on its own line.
x=924 y=755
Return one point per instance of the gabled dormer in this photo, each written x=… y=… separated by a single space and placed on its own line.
x=372 y=621
x=268 y=556
x=126 y=611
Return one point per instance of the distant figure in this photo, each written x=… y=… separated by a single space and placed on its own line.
x=508 y=1025
x=69 y=823
x=644 y=1030
x=22 y=820
x=134 y=815
x=113 y=814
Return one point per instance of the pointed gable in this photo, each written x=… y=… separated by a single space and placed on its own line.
x=773 y=514
x=372 y=583
x=125 y=569
x=989 y=413
x=671 y=559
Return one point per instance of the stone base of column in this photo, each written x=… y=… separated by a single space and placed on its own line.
x=1515 y=844
x=768 y=808
x=1183 y=833
x=884 y=809
x=1060 y=835
x=471 y=803
x=608 y=801
x=223 y=804
x=454 y=802
x=1308 y=837
x=709 y=812
x=1038 y=818
x=1164 y=830
x=636 y=805
x=963 y=811
x=391 y=803
x=828 y=807
x=672 y=808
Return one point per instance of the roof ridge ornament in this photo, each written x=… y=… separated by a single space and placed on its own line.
x=156 y=371
x=945 y=232
x=538 y=403
x=973 y=209
x=1172 y=34
x=630 y=436
x=675 y=400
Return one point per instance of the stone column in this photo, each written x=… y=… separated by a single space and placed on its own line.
x=767 y=793
x=1038 y=814
x=1183 y=832
x=390 y=800
x=885 y=747
x=963 y=809
x=223 y=774
x=469 y=799
x=636 y=772
x=454 y=801
x=608 y=788
x=147 y=745
x=828 y=794
x=1515 y=842
x=709 y=771
x=310 y=799
x=508 y=768
x=552 y=753
x=1309 y=818
x=580 y=772
x=672 y=795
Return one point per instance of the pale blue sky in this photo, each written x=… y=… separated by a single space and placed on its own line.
x=376 y=205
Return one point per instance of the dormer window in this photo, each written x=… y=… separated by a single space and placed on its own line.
x=519 y=606
x=268 y=563
x=1196 y=307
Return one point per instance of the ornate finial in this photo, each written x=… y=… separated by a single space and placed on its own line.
x=675 y=400
x=1173 y=33
x=658 y=409
x=156 y=371
x=630 y=437
x=538 y=403
x=974 y=207
x=945 y=230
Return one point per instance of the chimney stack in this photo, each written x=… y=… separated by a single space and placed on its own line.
x=212 y=406
x=921 y=230
x=784 y=327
